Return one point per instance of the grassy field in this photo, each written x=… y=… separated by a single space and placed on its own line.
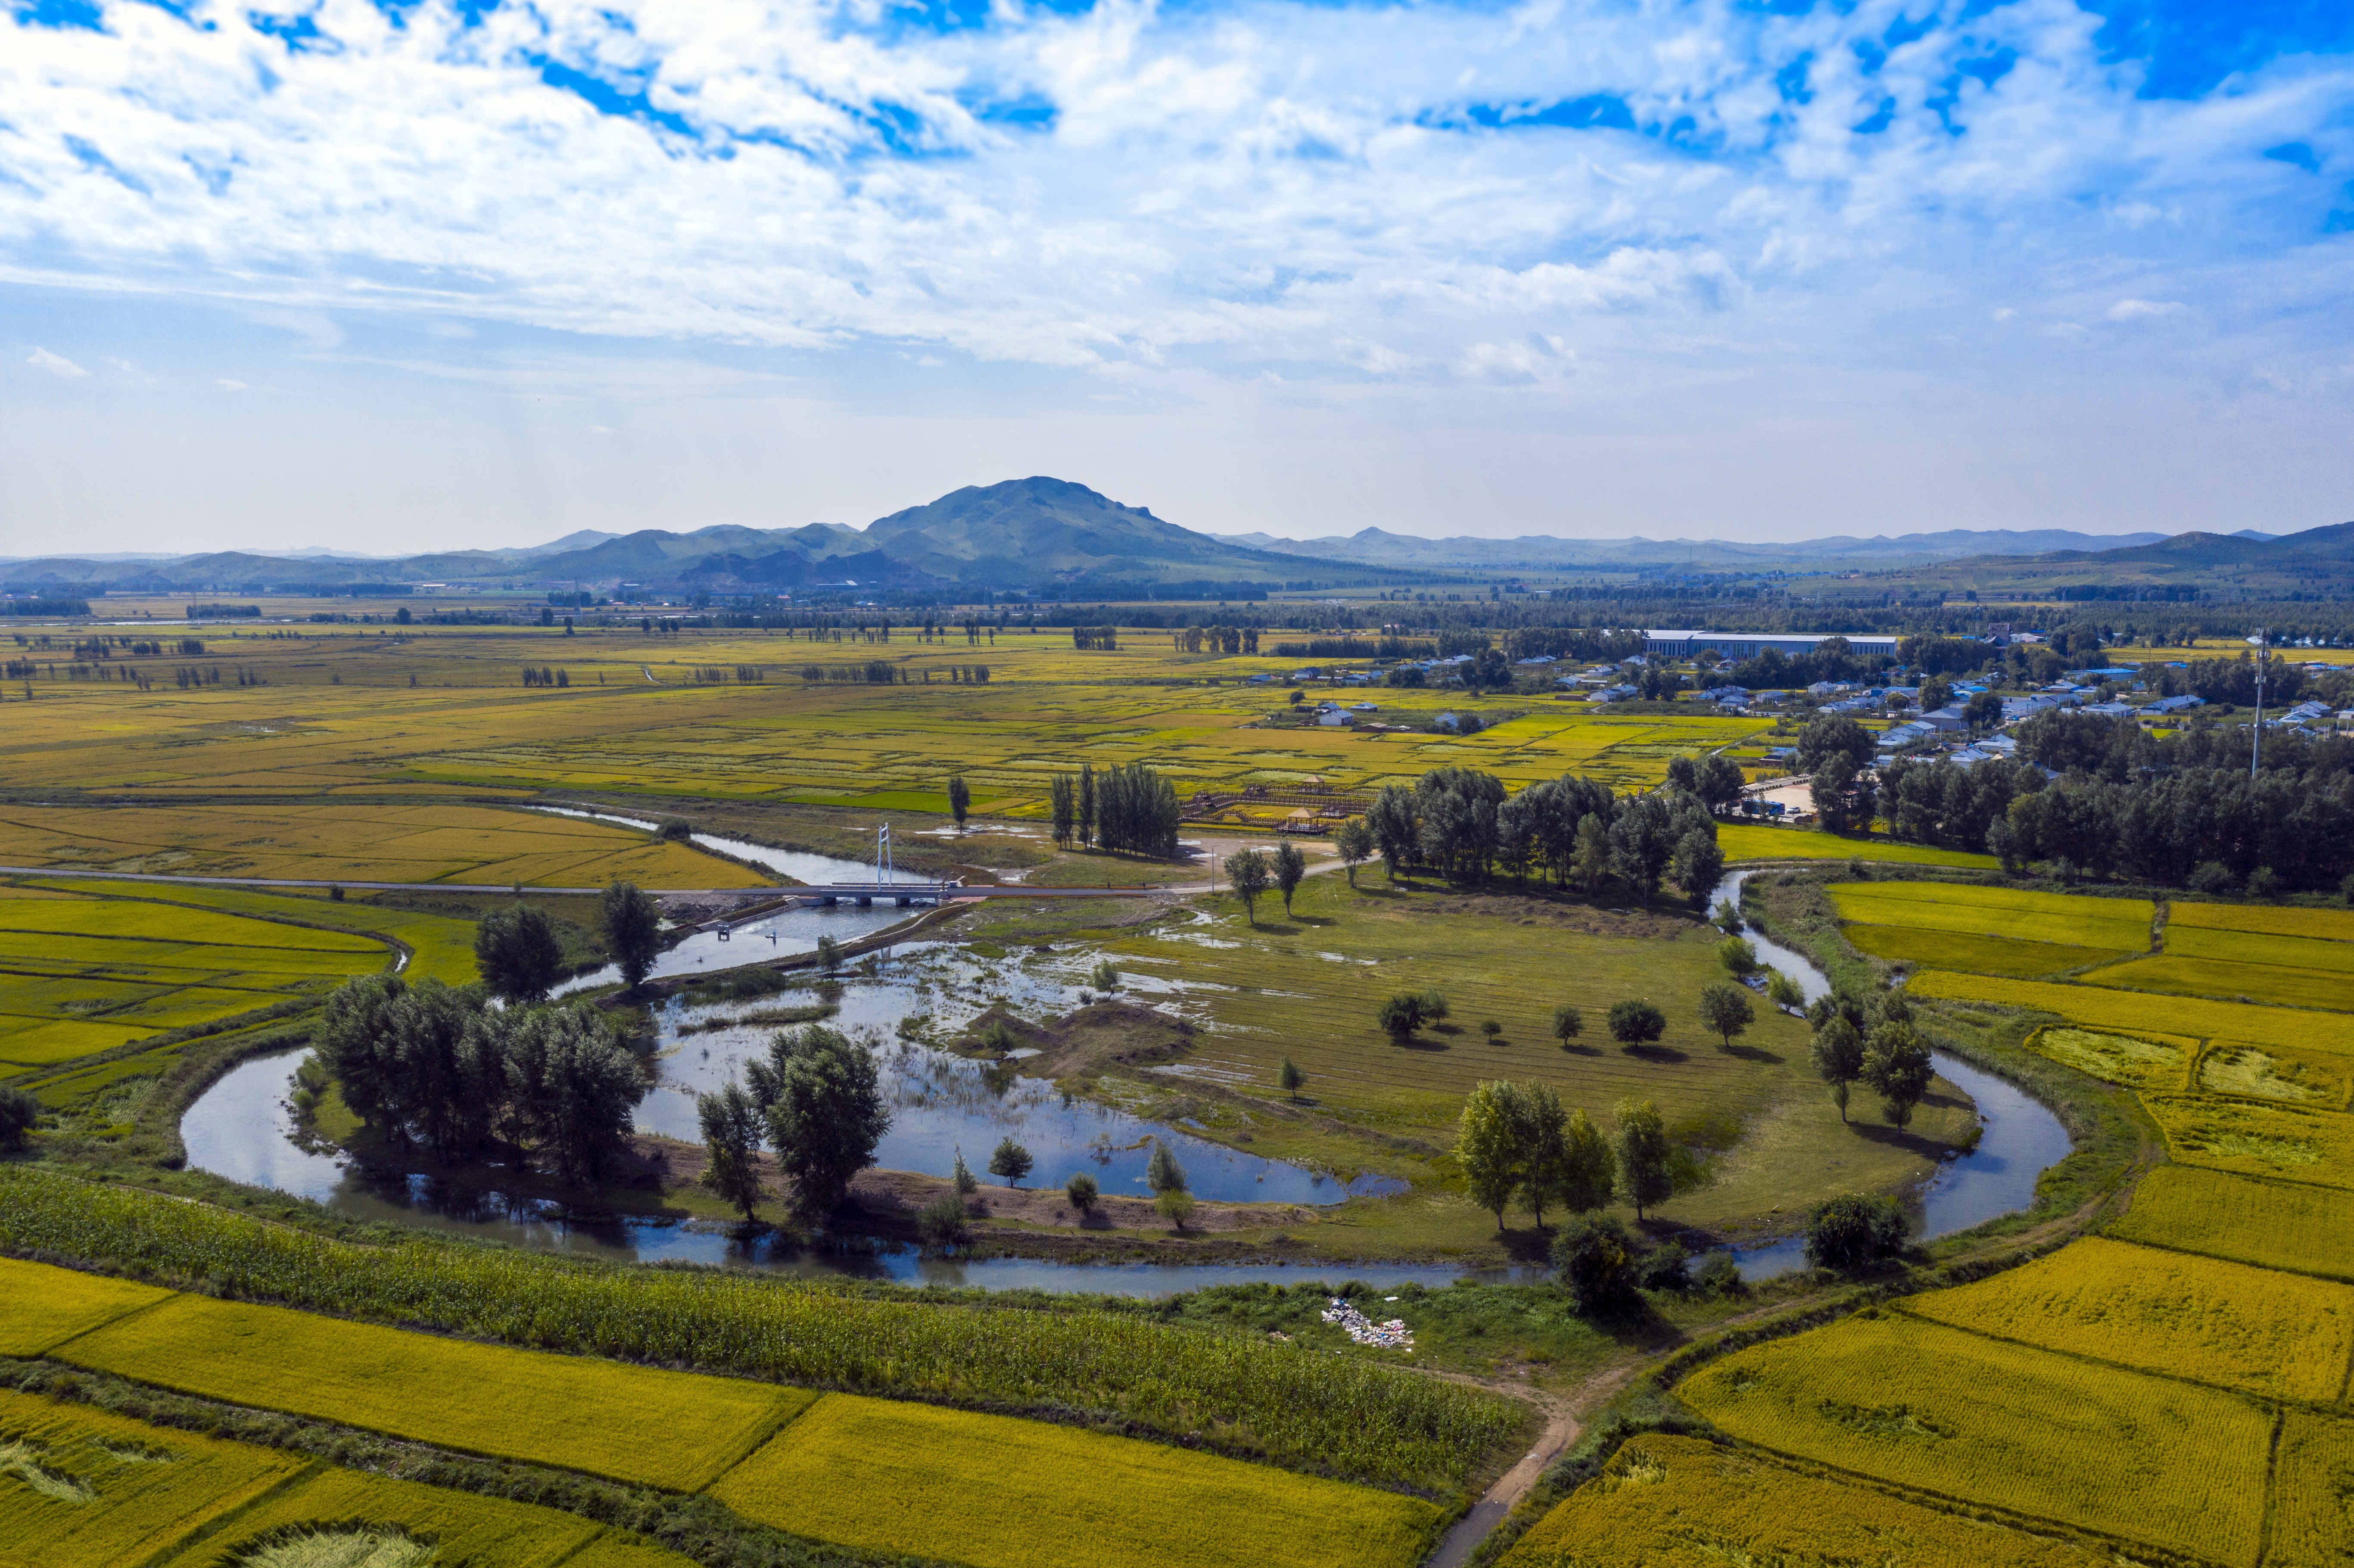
x=1971 y=953
x=571 y=1411
x=1937 y=1410
x=1751 y=841
x=1001 y=1493
x=477 y=1531
x=2154 y=1064
x=41 y=1308
x=2303 y=1230
x=2313 y=1493
x=1308 y=987
x=1681 y=1502
x=2143 y=1013
x=2279 y=1335
x=2318 y=925
x=2258 y=1139
x=82 y=1488
x=356 y=841
x=2115 y=925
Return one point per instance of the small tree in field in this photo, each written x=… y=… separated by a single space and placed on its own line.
x=1645 y=1175
x=962 y=1178
x=1738 y=956
x=1290 y=1077
x=1896 y=1064
x=1636 y=1022
x=1567 y=1023
x=959 y=800
x=1726 y=1009
x=1082 y=1191
x=1355 y=843
x=1247 y=870
x=1010 y=1161
x=1401 y=1016
x=1290 y=865
x=1783 y=992
x=1839 y=1057
x=1176 y=1206
x=1489 y=1145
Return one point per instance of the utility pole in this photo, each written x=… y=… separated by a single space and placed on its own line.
x=2263 y=657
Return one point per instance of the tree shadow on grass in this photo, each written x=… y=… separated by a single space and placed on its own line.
x=1903 y=1138
x=1663 y=1054
x=1754 y=1054
x=1417 y=1042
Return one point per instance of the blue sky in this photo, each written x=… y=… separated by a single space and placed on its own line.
x=393 y=274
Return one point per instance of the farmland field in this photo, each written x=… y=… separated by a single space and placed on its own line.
x=2258 y=1139
x=465 y=846
x=2281 y=1336
x=82 y=1489
x=2154 y=1064
x=2305 y=1230
x=1938 y=1410
x=2298 y=1077
x=565 y=1411
x=2313 y=1493
x=2115 y=925
x=1934 y=950
x=2144 y=1014
x=478 y=1531
x=901 y=1477
x=1681 y=1502
x=42 y=1307
x=2242 y=947
x=2269 y=983
x=1751 y=841
x=2318 y=925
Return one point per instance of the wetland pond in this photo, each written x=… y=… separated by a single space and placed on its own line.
x=242 y=1128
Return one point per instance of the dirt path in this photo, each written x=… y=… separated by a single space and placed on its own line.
x=1562 y=1428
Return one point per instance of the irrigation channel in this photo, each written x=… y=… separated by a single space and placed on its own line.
x=242 y=1128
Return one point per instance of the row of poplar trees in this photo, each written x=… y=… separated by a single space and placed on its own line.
x=1516 y=1141
x=1126 y=808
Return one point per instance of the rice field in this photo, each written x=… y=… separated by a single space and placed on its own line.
x=2141 y=1012
x=1681 y=1502
x=1239 y=1393
x=1936 y=1410
x=464 y=846
x=2186 y=941
x=1970 y=952
x=2258 y=1139
x=82 y=1488
x=464 y=1527
x=1753 y=840
x=2270 y=920
x=41 y=1306
x=2313 y=1493
x=2113 y=925
x=2303 y=1230
x=2158 y=1063
x=2296 y=1077
x=2267 y=983
x=995 y=1492
x=2278 y=1336
x=571 y=1411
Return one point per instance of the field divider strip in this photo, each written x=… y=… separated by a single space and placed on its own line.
x=762 y=1435
x=2272 y=1490
x=205 y=1529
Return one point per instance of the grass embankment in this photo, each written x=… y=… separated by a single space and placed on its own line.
x=1334 y=1416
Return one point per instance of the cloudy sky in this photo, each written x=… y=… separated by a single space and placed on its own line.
x=394 y=274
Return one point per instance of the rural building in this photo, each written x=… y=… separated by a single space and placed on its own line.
x=1749 y=644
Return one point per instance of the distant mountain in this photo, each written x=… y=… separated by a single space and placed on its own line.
x=1544 y=552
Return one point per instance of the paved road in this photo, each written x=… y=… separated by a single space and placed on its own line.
x=855 y=889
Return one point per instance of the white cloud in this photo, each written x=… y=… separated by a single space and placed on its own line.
x=226 y=384
x=2143 y=310
x=56 y=364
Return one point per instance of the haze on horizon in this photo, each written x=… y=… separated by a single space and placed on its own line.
x=409 y=275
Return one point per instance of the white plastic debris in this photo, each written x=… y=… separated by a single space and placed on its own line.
x=1392 y=1335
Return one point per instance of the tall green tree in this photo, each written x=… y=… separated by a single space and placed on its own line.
x=733 y=1131
x=1162 y=1171
x=1246 y=870
x=824 y=1107
x=1837 y=1054
x=1355 y=843
x=1009 y=1161
x=1728 y=1010
x=19 y=1113
x=1645 y=1175
x=1590 y=857
x=633 y=929
x=959 y=800
x=1636 y=1022
x=1290 y=865
x=1063 y=801
x=1488 y=1145
x=1395 y=827
x=1400 y=1015
x=1589 y=1167
x=1698 y=864
x=518 y=954
x=1544 y=1149
x=1896 y=1065
x=1568 y=1021
x=1087 y=803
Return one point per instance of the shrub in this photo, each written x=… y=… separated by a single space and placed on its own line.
x=942 y=1221
x=1719 y=1274
x=1597 y=1265
x=18 y=1112
x=1082 y=1191
x=1851 y=1230
x=1176 y=1206
x=2264 y=883
x=1667 y=1267
x=2212 y=877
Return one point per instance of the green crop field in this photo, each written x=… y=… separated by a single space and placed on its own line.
x=2144 y=1014
x=1751 y=841
x=2221 y=978
x=2258 y=1139
x=2313 y=1493
x=2113 y=925
x=1681 y=1502
x=2305 y=1230
x=2153 y=1063
x=2319 y=924
x=474 y=1532
x=42 y=1307
x=1934 y=1409
x=1933 y=949
x=2281 y=1336
x=2188 y=941
x=82 y=1488
x=571 y=1412
x=901 y=1477
x=2298 y=1077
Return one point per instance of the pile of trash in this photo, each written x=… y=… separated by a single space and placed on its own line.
x=1392 y=1335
